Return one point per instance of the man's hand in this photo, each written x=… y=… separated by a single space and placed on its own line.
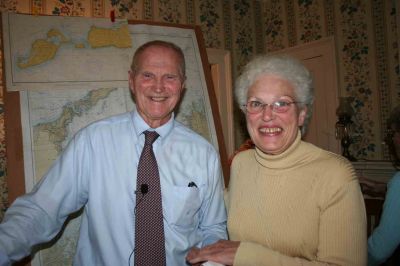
x=223 y=252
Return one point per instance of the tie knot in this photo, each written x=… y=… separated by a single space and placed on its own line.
x=150 y=137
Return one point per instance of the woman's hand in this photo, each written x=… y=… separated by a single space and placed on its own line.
x=372 y=188
x=223 y=252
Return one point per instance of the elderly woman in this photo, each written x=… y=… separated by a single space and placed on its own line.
x=289 y=202
x=386 y=237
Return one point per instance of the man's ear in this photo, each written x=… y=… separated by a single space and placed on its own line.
x=183 y=86
x=302 y=116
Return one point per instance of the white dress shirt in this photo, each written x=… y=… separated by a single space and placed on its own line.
x=97 y=171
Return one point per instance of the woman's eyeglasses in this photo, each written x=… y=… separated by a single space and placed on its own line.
x=254 y=107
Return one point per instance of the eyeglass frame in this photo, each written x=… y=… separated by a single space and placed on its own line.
x=272 y=106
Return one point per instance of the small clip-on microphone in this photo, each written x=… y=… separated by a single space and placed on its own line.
x=144 y=188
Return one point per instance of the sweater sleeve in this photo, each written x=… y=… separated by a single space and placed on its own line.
x=386 y=237
x=343 y=230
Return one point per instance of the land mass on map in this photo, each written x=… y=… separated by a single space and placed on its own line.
x=44 y=50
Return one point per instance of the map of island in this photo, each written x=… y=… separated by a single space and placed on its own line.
x=54 y=125
x=100 y=37
x=56 y=131
x=55 y=52
x=44 y=50
x=50 y=137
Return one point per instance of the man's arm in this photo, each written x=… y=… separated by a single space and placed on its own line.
x=213 y=220
x=4 y=261
x=38 y=216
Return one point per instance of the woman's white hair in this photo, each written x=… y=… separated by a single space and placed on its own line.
x=287 y=68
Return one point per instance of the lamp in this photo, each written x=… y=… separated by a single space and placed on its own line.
x=344 y=125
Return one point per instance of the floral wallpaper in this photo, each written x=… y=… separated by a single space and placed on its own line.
x=355 y=53
x=310 y=22
x=274 y=26
x=211 y=23
x=3 y=186
x=367 y=46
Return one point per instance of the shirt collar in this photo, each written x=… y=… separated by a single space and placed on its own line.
x=140 y=126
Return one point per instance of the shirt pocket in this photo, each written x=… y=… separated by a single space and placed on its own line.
x=181 y=206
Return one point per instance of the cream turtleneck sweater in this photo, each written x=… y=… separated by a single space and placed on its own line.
x=302 y=207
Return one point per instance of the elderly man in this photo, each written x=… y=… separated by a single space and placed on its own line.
x=171 y=193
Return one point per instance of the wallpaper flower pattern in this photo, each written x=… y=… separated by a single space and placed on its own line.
x=169 y=11
x=3 y=188
x=210 y=20
x=357 y=76
x=244 y=33
x=274 y=26
x=3 y=185
x=365 y=34
x=309 y=21
x=68 y=8
x=126 y=8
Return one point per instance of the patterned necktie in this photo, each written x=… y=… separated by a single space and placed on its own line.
x=149 y=226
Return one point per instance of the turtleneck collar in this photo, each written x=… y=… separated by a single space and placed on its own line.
x=293 y=156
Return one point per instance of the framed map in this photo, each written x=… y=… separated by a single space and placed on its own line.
x=63 y=73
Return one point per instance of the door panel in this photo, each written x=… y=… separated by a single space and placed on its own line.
x=319 y=58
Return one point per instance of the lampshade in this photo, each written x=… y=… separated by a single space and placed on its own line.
x=344 y=108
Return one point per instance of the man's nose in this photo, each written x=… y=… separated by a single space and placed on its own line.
x=159 y=86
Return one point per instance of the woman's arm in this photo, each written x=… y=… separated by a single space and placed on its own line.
x=386 y=237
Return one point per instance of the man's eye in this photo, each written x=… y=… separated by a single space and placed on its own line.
x=147 y=75
x=171 y=77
